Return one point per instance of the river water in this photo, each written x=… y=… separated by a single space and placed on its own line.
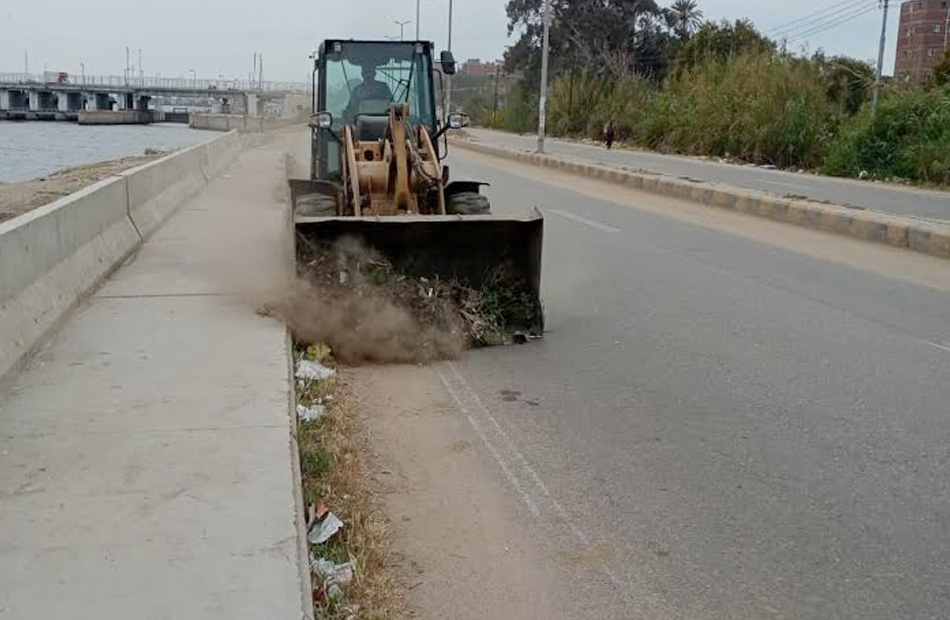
x=33 y=149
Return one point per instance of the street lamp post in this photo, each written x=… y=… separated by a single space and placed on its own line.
x=194 y=79
x=543 y=101
x=417 y=19
x=402 y=26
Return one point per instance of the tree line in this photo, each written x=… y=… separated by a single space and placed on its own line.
x=673 y=82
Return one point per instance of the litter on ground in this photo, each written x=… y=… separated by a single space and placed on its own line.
x=324 y=529
x=311 y=414
x=313 y=371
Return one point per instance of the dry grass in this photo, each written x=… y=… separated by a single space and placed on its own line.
x=334 y=472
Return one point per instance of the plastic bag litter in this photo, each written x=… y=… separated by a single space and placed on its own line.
x=330 y=572
x=311 y=414
x=313 y=371
x=323 y=530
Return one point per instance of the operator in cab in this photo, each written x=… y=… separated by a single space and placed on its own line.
x=370 y=90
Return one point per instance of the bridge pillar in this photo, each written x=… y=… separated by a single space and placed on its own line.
x=5 y=103
x=127 y=101
x=255 y=106
x=69 y=102
x=141 y=102
x=18 y=100
x=42 y=100
x=99 y=101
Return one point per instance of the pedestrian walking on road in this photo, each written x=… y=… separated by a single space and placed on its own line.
x=610 y=132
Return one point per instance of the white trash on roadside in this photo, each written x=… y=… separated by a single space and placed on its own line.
x=311 y=414
x=313 y=371
x=324 y=529
x=330 y=572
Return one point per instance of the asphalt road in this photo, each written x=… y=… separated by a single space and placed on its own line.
x=875 y=196
x=717 y=426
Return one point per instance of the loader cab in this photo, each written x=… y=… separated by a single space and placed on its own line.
x=355 y=83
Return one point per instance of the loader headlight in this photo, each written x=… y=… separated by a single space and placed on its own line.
x=322 y=120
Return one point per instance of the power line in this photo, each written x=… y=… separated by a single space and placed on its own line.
x=844 y=19
x=810 y=16
x=817 y=19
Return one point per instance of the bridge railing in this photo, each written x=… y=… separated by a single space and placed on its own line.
x=122 y=82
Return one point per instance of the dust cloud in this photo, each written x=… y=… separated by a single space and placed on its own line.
x=360 y=326
x=251 y=258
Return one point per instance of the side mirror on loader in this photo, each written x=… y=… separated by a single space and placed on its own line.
x=321 y=120
x=448 y=63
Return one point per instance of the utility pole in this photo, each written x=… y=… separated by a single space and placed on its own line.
x=253 y=76
x=260 y=67
x=126 y=65
x=141 y=73
x=543 y=102
x=417 y=19
x=494 y=109
x=26 y=61
x=945 y=33
x=448 y=78
x=880 y=62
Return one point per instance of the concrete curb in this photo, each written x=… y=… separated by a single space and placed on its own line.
x=53 y=256
x=901 y=232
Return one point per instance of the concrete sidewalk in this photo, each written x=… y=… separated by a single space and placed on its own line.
x=146 y=456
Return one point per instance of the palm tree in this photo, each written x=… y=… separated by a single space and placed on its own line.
x=684 y=18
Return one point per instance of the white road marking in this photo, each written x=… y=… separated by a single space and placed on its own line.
x=584 y=220
x=942 y=347
x=558 y=509
x=532 y=506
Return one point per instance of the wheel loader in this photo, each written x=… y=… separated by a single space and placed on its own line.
x=378 y=141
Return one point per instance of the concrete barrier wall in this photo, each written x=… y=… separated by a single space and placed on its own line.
x=244 y=124
x=53 y=256
x=156 y=189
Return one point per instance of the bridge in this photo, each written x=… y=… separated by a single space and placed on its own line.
x=58 y=96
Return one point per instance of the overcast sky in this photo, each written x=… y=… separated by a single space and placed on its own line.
x=220 y=36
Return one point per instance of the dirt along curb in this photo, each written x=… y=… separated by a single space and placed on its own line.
x=901 y=232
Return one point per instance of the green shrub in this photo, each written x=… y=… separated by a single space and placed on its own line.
x=908 y=139
x=766 y=109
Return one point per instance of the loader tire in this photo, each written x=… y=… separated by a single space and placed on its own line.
x=316 y=205
x=467 y=203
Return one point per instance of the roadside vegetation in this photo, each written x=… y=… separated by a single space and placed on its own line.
x=352 y=571
x=675 y=83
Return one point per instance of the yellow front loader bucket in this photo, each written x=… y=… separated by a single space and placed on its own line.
x=497 y=256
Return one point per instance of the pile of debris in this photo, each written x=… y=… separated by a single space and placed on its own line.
x=442 y=316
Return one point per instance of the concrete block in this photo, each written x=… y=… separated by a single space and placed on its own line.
x=220 y=152
x=918 y=238
x=940 y=242
x=869 y=228
x=158 y=188
x=779 y=211
x=897 y=234
x=796 y=213
x=53 y=256
x=723 y=198
x=742 y=203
